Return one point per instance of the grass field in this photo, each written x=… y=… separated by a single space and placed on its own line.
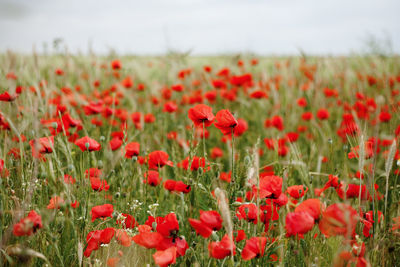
x=199 y=161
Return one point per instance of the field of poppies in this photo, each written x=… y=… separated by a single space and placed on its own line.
x=199 y=161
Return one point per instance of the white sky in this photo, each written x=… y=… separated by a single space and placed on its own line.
x=204 y=26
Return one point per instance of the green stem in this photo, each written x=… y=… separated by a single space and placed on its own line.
x=232 y=156
x=204 y=143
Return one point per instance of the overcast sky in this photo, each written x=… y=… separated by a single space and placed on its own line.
x=203 y=26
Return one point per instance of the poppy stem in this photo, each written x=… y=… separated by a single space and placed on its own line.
x=204 y=143
x=233 y=166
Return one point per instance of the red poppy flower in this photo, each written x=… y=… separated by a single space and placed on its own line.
x=11 y=76
x=178 y=186
x=207 y=68
x=128 y=222
x=385 y=116
x=338 y=219
x=368 y=221
x=149 y=118
x=212 y=219
x=177 y=87
x=242 y=80
x=87 y=144
x=93 y=172
x=116 y=64
x=277 y=122
x=41 y=146
x=7 y=97
x=216 y=152
x=248 y=212
x=4 y=125
x=115 y=143
x=93 y=108
x=269 y=212
x=368 y=151
x=226 y=176
x=170 y=185
x=169 y=226
x=240 y=235
x=200 y=114
x=132 y=150
x=254 y=248
x=225 y=121
x=158 y=159
x=70 y=122
x=292 y=137
x=182 y=187
x=55 y=203
x=127 y=82
x=307 y=116
x=258 y=94
x=95 y=238
x=298 y=223
x=178 y=242
x=270 y=186
x=102 y=211
x=98 y=184
x=222 y=249
x=211 y=96
x=302 y=102
x=322 y=114
x=75 y=204
x=59 y=72
x=197 y=162
x=28 y=225
x=297 y=191
x=170 y=107
x=166 y=257
x=123 y=238
x=68 y=179
x=152 y=178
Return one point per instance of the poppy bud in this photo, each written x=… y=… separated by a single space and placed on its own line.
x=214 y=236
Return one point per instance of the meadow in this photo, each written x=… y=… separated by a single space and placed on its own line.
x=199 y=161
